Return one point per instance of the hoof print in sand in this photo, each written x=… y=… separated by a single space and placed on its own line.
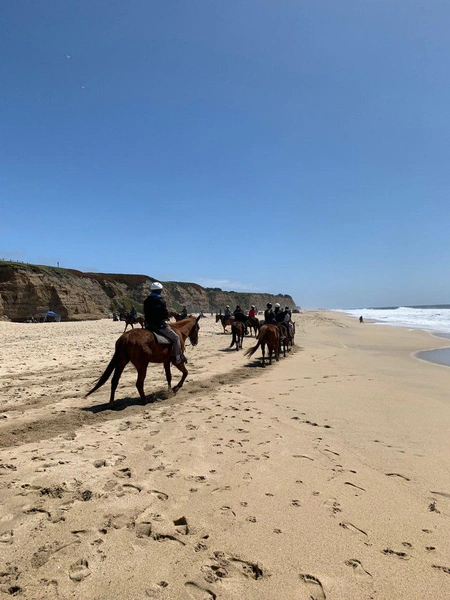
x=79 y=570
x=7 y=537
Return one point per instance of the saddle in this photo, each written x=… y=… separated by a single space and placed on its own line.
x=161 y=339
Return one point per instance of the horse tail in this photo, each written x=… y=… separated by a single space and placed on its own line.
x=251 y=351
x=106 y=375
x=234 y=334
x=261 y=338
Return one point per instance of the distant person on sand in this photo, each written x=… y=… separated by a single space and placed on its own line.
x=361 y=320
x=156 y=314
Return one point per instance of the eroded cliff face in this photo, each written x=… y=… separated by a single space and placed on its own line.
x=29 y=290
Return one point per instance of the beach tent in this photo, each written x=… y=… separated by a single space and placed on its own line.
x=50 y=315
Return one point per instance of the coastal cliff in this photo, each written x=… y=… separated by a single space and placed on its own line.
x=27 y=290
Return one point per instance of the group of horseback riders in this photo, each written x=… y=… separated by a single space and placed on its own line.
x=271 y=317
x=156 y=316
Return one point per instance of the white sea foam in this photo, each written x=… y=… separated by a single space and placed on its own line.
x=433 y=319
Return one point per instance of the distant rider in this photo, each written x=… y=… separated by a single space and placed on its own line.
x=269 y=316
x=279 y=314
x=133 y=313
x=239 y=315
x=184 y=314
x=252 y=312
x=227 y=312
x=156 y=314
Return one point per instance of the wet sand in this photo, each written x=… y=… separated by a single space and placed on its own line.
x=325 y=476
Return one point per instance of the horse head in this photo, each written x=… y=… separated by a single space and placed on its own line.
x=193 y=334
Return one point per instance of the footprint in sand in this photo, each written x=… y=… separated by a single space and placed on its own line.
x=398 y=475
x=313 y=587
x=357 y=567
x=7 y=537
x=157 y=591
x=160 y=495
x=402 y=555
x=123 y=473
x=352 y=528
x=79 y=570
x=198 y=592
x=441 y=568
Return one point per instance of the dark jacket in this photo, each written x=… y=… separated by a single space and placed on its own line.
x=239 y=315
x=155 y=310
x=279 y=315
x=269 y=316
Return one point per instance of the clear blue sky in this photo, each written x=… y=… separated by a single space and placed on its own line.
x=297 y=146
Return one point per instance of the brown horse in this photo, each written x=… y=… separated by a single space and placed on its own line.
x=225 y=321
x=175 y=315
x=140 y=347
x=253 y=323
x=134 y=321
x=237 y=331
x=270 y=335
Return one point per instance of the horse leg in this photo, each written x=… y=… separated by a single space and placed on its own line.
x=168 y=372
x=126 y=325
x=181 y=367
x=142 y=372
x=263 y=348
x=115 y=380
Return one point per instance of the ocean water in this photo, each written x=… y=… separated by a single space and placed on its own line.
x=433 y=318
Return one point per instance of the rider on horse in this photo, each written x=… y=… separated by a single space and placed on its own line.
x=133 y=313
x=183 y=313
x=271 y=318
x=156 y=313
x=239 y=315
x=227 y=311
x=252 y=312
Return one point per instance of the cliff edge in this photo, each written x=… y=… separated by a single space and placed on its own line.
x=28 y=290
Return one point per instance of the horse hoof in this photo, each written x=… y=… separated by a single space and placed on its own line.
x=175 y=389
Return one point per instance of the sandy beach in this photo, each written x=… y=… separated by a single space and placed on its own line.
x=325 y=476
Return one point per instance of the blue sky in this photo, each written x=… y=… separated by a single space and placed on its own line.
x=287 y=146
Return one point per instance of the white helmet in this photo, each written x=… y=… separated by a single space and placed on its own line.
x=227 y=306
x=156 y=286
x=253 y=306
x=277 y=305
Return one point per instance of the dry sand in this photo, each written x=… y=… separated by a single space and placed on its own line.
x=324 y=476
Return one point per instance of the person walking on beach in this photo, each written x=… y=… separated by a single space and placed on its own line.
x=156 y=314
x=361 y=320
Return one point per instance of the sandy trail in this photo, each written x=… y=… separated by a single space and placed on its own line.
x=325 y=476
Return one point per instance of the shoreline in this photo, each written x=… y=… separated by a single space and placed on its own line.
x=325 y=475
x=436 y=356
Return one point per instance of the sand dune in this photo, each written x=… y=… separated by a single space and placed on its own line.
x=325 y=476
